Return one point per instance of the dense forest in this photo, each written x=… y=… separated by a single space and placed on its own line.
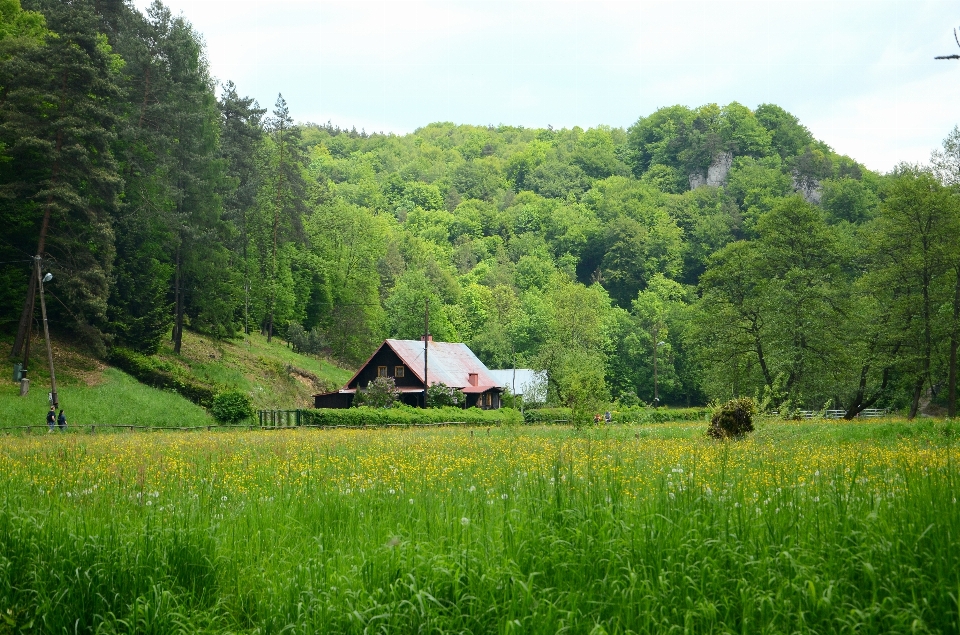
x=725 y=247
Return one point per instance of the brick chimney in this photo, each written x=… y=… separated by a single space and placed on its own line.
x=428 y=338
x=473 y=378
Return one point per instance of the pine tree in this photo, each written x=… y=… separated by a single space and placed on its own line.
x=60 y=184
x=240 y=140
x=283 y=196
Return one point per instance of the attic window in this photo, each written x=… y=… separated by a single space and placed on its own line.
x=398 y=371
x=381 y=371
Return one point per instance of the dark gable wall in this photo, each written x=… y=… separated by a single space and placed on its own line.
x=385 y=357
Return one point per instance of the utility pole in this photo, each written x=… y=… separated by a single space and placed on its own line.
x=46 y=334
x=426 y=342
x=21 y=345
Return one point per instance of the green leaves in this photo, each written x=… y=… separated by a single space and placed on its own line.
x=231 y=407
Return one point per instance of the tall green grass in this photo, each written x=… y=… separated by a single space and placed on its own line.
x=118 y=400
x=530 y=530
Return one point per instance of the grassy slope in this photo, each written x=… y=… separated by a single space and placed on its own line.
x=116 y=399
x=272 y=374
x=92 y=392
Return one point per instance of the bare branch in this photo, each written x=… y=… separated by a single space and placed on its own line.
x=951 y=57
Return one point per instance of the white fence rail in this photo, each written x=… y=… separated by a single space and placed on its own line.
x=866 y=413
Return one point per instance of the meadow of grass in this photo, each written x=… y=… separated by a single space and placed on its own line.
x=115 y=399
x=801 y=528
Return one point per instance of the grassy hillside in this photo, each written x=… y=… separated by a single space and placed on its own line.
x=271 y=373
x=116 y=398
x=93 y=392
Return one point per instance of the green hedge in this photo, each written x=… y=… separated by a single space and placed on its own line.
x=636 y=415
x=548 y=415
x=159 y=374
x=406 y=415
x=661 y=415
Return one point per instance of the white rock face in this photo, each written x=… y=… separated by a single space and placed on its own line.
x=808 y=188
x=719 y=168
x=716 y=174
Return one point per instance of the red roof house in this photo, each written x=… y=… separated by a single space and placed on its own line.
x=450 y=363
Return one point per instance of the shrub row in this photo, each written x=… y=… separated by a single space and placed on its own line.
x=626 y=415
x=159 y=374
x=661 y=415
x=407 y=415
x=548 y=415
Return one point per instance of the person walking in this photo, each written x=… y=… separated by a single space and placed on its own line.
x=62 y=420
x=52 y=418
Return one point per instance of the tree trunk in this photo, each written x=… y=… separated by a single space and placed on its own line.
x=178 y=304
x=246 y=274
x=21 y=345
x=758 y=347
x=276 y=226
x=861 y=402
x=915 y=402
x=954 y=344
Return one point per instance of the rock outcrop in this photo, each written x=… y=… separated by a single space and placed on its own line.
x=718 y=170
x=716 y=174
x=808 y=187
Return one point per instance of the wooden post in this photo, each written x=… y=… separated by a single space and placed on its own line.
x=46 y=334
x=426 y=343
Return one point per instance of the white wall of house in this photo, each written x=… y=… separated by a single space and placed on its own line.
x=528 y=383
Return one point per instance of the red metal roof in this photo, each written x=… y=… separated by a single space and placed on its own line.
x=447 y=362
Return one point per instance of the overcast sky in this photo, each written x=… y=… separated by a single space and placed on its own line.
x=860 y=75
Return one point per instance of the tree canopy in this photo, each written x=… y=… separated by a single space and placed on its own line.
x=727 y=243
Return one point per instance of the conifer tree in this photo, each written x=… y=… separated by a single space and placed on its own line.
x=282 y=197
x=60 y=182
x=240 y=140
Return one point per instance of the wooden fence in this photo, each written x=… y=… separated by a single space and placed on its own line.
x=293 y=419
x=866 y=413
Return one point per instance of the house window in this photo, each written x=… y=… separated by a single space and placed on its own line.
x=381 y=371
x=489 y=399
x=398 y=371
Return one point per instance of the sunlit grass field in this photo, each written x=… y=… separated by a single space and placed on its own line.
x=116 y=399
x=802 y=528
